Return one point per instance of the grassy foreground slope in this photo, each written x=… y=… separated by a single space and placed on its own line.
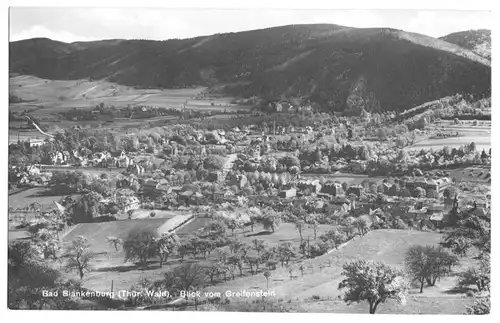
x=388 y=246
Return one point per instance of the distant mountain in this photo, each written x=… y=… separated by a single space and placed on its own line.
x=478 y=41
x=339 y=67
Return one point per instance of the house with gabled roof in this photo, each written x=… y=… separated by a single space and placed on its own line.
x=421 y=182
x=432 y=185
x=387 y=188
x=331 y=188
x=288 y=193
x=313 y=185
x=356 y=190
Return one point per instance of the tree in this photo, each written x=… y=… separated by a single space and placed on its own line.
x=480 y=277
x=140 y=246
x=215 y=228
x=86 y=208
x=258 y=246
x=313 y=224
x=115 y=241
x=270 y=220
x=335 y=237
x=166 y=245
x=472 y=147
x=381 y=134
x=349 y=226
x=267 y=274
x=400 y=141
x=211 y=272
x=28 y=277
x=236 y=261
x=427 y=264
x=233 y=223
x=285 y=252
x=213 y=162
x=66 y=182
x=189 y=276
x=299 y=225
x=458 y=244
x=361 y=225
x=79 y=256
x=373 y=282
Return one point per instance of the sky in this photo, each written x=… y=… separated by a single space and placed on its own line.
x=96 y=23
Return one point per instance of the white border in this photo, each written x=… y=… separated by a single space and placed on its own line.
x=45 y=316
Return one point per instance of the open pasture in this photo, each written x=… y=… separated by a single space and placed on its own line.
x=109 y=264
x=32 y=195
x=53 y=96
x=479 y=134
x=323 y=274
x=481 y=141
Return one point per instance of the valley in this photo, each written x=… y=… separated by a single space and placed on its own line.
x=307 y=161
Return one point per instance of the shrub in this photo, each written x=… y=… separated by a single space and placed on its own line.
x=318 y=249
x=481 y=306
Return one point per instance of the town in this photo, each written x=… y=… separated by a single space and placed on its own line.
x=324 y=181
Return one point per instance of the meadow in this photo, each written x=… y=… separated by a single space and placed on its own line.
x=109 y=264
x=56 y=95
x=316 y=290
x=32 y=195
x=45 y=99
x=480 y=135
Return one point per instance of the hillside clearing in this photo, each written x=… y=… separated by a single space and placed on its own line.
x=388 y=246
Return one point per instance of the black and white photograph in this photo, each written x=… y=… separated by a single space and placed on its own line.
x=227 y=159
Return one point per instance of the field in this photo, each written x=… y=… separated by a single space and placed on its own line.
x=98 y=232
x=56 y=96
x=480 y=135
x=388 y=246
x=25 y=198
x=47 y=98
x=351 y=179
x=22 y=200
x=109 y=264
x=414 y=305
x=478 y=174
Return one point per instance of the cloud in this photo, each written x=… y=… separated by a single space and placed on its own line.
x=79 y=24
x=38 y=31
x=440 y=23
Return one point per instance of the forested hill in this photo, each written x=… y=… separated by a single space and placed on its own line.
x=339 y=67
x=478 y=41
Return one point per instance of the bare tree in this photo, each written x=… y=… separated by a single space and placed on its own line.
x=79 y=256
x=115 y=241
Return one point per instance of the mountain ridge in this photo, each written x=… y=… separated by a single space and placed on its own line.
x=325 y=63
x=476 y=40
